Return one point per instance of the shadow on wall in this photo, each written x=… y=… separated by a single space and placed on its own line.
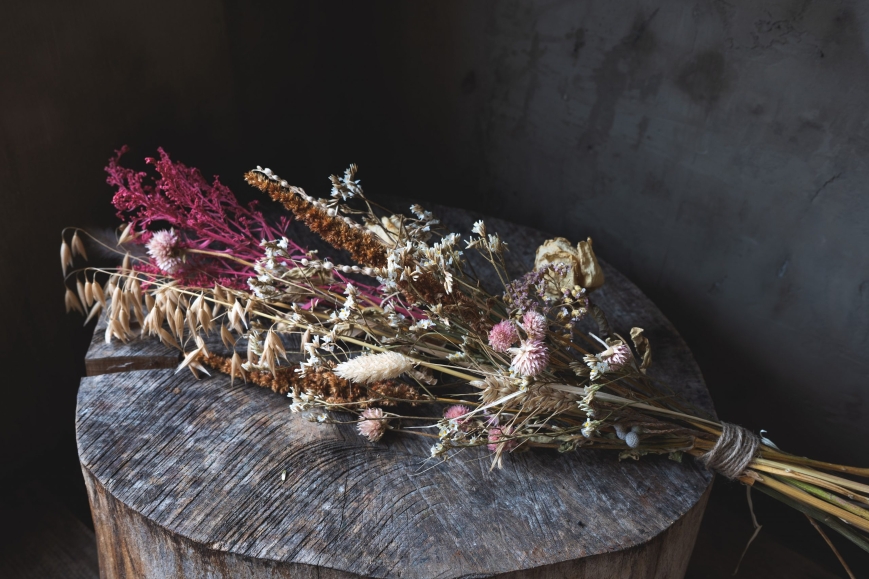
x=714 y=153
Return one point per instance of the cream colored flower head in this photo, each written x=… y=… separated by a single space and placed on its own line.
x=584 y=269
x=388 y=231
x=371 y=368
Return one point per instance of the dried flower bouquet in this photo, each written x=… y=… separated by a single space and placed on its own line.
x=425 y=348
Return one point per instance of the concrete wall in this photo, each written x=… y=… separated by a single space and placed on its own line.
x=713 y=150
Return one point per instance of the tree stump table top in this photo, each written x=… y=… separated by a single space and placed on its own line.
x=200 y=478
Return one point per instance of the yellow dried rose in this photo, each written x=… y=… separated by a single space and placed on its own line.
x=584 y=270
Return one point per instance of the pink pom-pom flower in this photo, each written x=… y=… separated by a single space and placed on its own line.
x=617 y=356
x=497 y=436
x=534 y=324
x=502 y=336
x=456 y=411
x=165 y=249
x=531 y=358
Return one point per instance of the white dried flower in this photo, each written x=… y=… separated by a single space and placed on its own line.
x=437 y=450
x=302 y=401
x=590 y=427
x=448 y=282
x=374 y=367
x=598 y=367
x=495 y=243
x=422 y=325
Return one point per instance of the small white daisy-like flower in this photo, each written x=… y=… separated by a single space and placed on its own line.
x=495 y=243
x=598 y=368
x=423 y=324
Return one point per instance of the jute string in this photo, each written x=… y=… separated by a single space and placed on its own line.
x=734 y=450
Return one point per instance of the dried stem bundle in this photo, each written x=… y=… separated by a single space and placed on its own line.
x=522 y=368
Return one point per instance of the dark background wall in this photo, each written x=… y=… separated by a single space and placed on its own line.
x=714 y=150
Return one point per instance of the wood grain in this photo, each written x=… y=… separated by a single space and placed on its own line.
x=185 y=481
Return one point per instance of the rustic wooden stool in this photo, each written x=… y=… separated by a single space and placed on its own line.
x=185 y=478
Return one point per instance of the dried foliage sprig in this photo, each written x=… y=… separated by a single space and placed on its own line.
x=321 y=218
x=205 y=234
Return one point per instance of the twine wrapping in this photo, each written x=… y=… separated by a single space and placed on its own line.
x=733 y=451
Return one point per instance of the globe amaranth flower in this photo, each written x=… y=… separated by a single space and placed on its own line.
x=534 y=324
x=531 y=358
x=617 y=355
x=165 y=248
x=497 y=437
x=456 y=411
x=373 y=424
x=502 y=336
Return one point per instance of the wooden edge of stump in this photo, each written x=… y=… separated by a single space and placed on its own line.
x=99 y=366
x=132 y=545
x=148 y=353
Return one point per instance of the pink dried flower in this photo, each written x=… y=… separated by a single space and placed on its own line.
x=534 y=324
x=456 y=411
x=502 y=336
x=617 y=356
x=531 y=358
x=373 y=424
x=165 y=249
x=497 y=436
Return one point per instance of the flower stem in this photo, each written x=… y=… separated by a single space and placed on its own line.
x=804 y=497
